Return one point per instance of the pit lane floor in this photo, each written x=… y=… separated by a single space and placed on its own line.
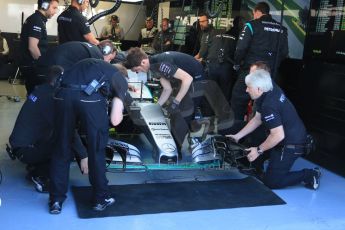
x=23 y=208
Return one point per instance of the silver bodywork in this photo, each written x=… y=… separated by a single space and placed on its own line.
x=206 y=151
x=132 y=153
x=154 y=119
x=145 y=113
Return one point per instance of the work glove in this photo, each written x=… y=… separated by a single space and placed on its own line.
x=174 y=107
x=236 y=67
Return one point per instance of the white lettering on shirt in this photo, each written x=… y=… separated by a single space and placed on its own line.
x=164 y=69
x=62 y=18
x=269 y=117
x=282 y=98
x=270 y=29
x=37 y=28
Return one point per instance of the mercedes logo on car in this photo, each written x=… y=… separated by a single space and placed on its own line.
x=169 y=148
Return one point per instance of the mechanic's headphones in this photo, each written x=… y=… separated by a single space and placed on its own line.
x=44 y=4
x=106 y=50
x=80 y=2
x=106 y=47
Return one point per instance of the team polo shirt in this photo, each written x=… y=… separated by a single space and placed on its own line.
x=69 y=53
x=167 y=63
x=34 y=26
x=72 y=26
x=87 y=70
x=41 y=125
x=276 y=109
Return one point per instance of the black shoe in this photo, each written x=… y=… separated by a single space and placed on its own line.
x=315 y=183
x=55 y=207
x=41 y=183
x=103 y=204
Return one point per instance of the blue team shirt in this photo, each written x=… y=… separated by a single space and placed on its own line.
x=276 y=109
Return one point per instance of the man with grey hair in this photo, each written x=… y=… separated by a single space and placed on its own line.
x=287 y=135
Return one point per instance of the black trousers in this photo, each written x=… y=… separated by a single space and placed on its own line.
x=33 y=76
x=91 y=111
x=240 y=98
x=278 y=174
x=37 y=156
x=180 y=121
x=3 y=59
x=222 y=74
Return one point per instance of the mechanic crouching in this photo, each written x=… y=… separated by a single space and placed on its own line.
x=33 y=134
x=287 y=137
x=82 y=97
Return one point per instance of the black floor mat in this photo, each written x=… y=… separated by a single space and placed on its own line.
x=177 y=197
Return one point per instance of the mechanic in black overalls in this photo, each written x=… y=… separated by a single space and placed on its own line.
x=69 y=53
x=82 y=98
x=73 y=26
x=32 y=136
x=257 y=42
x=287 y=134
x=172 y=69
x=34 y=42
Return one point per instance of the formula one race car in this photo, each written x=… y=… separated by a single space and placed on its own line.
x=154 y=147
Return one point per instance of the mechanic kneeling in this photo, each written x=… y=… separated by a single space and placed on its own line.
x=82 y=98
x=287 y=135
x=32 y=136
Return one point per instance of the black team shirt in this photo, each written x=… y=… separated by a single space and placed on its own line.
x=69 y=53
x=34 y=26
x=167 y=63
x=90 y=69
x=38 y=109
x=72 y=26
